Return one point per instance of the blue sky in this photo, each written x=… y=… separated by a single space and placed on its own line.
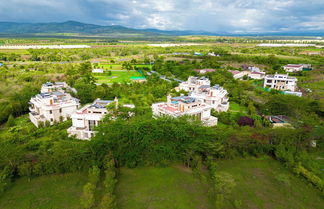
x=209 y=15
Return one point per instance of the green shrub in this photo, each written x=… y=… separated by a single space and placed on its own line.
x=318 y=182
x=87 y=198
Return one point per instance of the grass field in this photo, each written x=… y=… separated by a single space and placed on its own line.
x=261 y=183
x=160 y=188
x=117 y=77
x=45 y=192
x=264 y=183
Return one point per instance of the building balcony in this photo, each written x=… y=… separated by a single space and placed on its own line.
x=35 y=118
x=81 y=133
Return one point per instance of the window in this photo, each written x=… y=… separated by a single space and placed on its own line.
x=52 y=119
x=92 y=124
x=50 y=111
x=60 y=110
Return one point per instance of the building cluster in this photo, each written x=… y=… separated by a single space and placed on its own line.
x=201 y=99
x=251 y=72
x=282 y=82
x=53 y=104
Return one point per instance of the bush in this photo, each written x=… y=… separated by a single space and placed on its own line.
x=94 y=175
x=87 y=198
x=108 y=201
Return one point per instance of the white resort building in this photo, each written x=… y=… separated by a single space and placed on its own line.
x=215 y=96
x=85 y=119
x=200 y=89
x=280 y=82
x=185 y=105
x=52 y=104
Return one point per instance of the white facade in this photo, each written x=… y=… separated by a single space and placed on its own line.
x=184 y=105
x=281 y=82
x=52 y=106
x=88 y=117
x=85 y=119
x=239 y=74
x=193 y=84
x=256 y=75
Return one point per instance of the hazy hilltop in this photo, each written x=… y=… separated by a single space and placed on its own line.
x=93 y=29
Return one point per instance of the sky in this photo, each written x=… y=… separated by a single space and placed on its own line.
x=235 y=16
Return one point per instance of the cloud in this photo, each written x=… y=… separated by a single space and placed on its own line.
x=208 y=15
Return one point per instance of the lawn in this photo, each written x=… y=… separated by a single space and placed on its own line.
x=116 y=77
x=160 y=188
x=234 y=107
x=53 y=191
x=264 y=183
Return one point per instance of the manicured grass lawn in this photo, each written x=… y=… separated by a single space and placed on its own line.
x=265 y=183
x=160 y=188
x=234 y=107
x=109 y=67
x=115 y=66
x=117 y=76
x=46 y=192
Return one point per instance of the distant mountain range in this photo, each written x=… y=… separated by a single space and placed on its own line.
x=92 y=29
x=83 y=28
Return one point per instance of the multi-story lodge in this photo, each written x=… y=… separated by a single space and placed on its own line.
x=281 y=82
x=193 y=83
x=185 y=105
x=90 y=116
x=52 y=105
x=215 y=96
x=200 y=89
